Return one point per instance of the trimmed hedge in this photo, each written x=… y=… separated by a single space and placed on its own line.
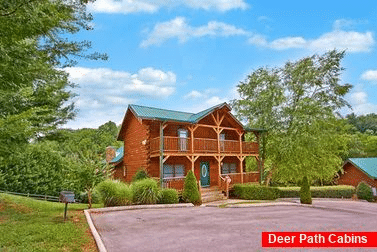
x=114 y=193
x=255 y=192
x=341 y=191
x=364 y=192
x=168 y=196
x=145 y=191
x=190 y=190
x=305 y=193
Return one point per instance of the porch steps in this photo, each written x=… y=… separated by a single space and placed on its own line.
x=212 y=194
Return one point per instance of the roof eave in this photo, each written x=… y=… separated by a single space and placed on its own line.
x=349 y=161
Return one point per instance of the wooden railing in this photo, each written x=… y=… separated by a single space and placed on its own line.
x=230 y=146
x=202 y=145
x=171 y=144
x=248 y=177
x=174 y=182
x=205 y=145
x=250 y=147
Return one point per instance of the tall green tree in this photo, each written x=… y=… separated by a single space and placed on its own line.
x=34 y=49
x=364 y=123
x=297 y=104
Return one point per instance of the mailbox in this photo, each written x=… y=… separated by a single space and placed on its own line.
x=67 y=197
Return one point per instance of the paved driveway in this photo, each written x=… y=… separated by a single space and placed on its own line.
x=226 y=229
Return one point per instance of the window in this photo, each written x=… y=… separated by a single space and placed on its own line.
x=182 y=139
x=229 y=168
x=171 y=171
x=222 y=142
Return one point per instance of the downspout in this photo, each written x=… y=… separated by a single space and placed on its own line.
x=161 y=154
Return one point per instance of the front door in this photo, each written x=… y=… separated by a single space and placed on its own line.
x=204 y=174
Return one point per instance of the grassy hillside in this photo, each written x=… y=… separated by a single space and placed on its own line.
x=32 y=225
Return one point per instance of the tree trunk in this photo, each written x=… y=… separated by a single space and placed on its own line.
x=89 y=192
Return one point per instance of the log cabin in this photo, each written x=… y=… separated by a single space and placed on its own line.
x=357 y=170
x=169 y=143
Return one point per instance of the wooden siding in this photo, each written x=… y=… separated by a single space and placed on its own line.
x=135 y=148
x=353 y=176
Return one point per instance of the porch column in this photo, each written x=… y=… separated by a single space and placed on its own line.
x=219 y=160
x=162 y=126
x=260 y=165
x=241 y=169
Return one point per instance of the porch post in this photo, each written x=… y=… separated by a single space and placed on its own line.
x=241 y=169
x=259 y=158
x=161 y=154
x=219 y=178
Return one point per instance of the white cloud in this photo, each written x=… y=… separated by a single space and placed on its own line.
x=352 y=41
x=103 y=94
x=258 y=40
x=370 y=75
x=215 y=100
x=360 y=103
x=359 y=98
x=205 y=94
x=342 y=24
x=193 y=95
x=147 y=82
x=151 y=6
x=178 y=28
x=288 y=42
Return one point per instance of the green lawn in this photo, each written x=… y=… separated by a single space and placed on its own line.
x=33 y=225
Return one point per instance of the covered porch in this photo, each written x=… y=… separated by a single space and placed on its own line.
x=210 y=171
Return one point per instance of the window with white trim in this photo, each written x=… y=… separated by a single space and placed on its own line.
x=182 y=138
x=229 y=168
x=172 y=171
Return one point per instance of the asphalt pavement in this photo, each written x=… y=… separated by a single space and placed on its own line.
x=237 y=227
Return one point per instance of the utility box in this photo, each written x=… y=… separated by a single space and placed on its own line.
x=67 y=197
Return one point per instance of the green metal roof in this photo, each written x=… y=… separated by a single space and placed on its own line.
x=171 y=115
x=160 y=114
x=118 y=156
x=367 y=165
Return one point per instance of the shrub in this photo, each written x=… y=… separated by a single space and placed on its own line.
x=341 y=191
x=305 y=194
x=83 y=197
x=145 y=191
x=364 y=192
x=114 y=193
x=140 y=175
x=168 y=196
x=255 y=192
x=190 y=190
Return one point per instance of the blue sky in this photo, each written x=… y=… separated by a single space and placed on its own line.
x=190 y=55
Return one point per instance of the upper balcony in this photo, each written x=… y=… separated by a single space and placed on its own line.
x=202 y=146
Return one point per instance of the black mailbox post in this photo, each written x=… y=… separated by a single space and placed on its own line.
x=66 y=197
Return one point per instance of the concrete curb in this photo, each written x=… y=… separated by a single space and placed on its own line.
x=137 y=207
x=97 y=237
x=283 y=202
x=101 y=247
